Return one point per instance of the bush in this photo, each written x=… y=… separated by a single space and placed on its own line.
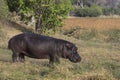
x=82 y=12
x=92 y=11
x=95 y=11
x=117 y=11
x=4 y=12
x=110 y=11
x=106 y=11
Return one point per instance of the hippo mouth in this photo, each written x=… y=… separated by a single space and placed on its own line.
x=75 y=60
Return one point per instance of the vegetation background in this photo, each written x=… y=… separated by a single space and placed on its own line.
x=96 y=36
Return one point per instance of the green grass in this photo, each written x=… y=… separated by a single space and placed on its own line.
x=94 y=66
x=100 y=61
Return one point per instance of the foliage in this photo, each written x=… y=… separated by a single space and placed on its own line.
x=51 y=13
x=4 y=13
x=95 y=11
x=14 y=5
x=110 y=7
x=106 y=11
x=46 y=12
x=111 y=11
x=117 y=10
x=92 y=11
x=82 y=12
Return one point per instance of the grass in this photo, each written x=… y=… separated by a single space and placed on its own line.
x=97 y=64
x=110 y=35
x=100 y=60
x=92 y=23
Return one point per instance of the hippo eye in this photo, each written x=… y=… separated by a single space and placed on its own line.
x=74 y=51
x=69 y=46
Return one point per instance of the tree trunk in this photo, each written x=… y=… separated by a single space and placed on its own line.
x=38 y=25
x=80 y=3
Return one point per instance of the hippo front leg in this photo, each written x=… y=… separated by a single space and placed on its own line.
x=54 y=59
x=51 y=60
x=21 y=57
x=15 y=57
x=57 y=60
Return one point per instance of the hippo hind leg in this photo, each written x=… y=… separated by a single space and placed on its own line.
x=21 y=57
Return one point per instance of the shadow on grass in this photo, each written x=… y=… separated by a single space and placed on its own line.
x=4 y=60
x=5 y=55
x=39 y=62
x=17 y=26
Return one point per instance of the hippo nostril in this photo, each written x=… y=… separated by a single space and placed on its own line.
x=78 y=59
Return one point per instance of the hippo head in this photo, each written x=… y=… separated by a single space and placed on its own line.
x=70 y=52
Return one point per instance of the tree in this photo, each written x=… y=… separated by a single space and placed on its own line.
x=46 y=12
x=4 y=12
x=14 y=5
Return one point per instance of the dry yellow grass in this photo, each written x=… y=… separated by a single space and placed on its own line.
x=96 y=23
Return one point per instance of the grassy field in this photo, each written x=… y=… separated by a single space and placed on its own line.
x=94 y=23
x=100 y=59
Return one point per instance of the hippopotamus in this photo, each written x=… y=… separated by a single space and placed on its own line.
x=42 y=47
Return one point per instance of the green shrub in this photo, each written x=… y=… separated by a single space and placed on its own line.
x=4 y=12
x=106 y=11
x=117 y=11
x=92 y=11
x=82 y=12
x=95 y=11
